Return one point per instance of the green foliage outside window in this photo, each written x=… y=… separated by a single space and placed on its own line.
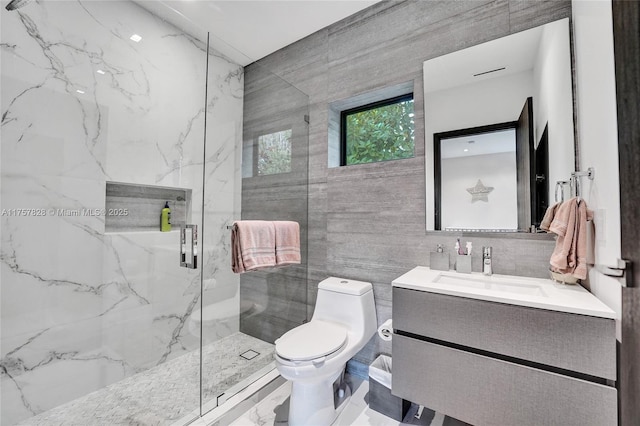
x=274 y=153
x=379 y=134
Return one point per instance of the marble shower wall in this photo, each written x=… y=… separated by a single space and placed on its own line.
x=367 y=222
x=82 y=104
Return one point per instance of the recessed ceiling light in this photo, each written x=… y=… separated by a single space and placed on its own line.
x=80 y=91
x=101 y=72
x=466 y=150
x=135 y=38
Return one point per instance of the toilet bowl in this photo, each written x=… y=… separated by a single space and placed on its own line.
x=313 y=355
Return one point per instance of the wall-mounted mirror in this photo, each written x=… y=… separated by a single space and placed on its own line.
x=498 y=131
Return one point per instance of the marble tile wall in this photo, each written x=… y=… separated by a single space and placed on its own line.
x=367 y=222
x=82 y=308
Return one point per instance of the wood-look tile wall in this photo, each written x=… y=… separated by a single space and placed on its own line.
x=274 y=301
x=367 y=222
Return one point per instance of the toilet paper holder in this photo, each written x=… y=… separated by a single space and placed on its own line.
x=385 y=331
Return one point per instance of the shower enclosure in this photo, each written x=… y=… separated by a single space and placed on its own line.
x=109 y=112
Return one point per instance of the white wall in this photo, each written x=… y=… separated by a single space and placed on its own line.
x=552 y=100
x=597 y=126
x=488 y=102
x=494 y=170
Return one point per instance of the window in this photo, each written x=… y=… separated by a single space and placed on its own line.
x=377 y=132
x=274 y=153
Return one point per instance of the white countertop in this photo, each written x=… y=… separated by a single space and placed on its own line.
x=522 y=291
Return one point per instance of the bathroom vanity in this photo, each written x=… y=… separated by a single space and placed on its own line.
x=503 y=350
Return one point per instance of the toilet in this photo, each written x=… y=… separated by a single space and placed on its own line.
x=312 y=356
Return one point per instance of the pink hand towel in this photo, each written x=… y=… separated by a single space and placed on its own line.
x=287 y=242
x=570 y=224
x=253 y=245
x=548 y=217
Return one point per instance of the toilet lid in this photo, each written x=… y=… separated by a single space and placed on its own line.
x=311 y=340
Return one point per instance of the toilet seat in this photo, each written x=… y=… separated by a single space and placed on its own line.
x=310 y=341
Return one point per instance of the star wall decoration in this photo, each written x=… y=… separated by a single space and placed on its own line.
x=480 y=192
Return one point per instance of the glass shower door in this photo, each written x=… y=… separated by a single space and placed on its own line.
x=243 y=314
x=103 y=113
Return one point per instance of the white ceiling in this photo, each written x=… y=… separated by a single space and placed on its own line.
x=515 y=53
x=247 y=30
x=479 y=144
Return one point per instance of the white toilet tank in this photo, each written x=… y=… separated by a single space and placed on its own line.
x=348 y=302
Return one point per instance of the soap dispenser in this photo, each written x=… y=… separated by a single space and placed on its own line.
x=165 y=218
x=439 y=260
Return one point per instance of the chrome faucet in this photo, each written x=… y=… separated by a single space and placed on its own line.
x=486 y=260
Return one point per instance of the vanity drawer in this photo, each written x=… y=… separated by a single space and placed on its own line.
x=486 y=391
x=579 y=343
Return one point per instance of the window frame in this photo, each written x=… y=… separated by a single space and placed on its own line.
x=373 y=105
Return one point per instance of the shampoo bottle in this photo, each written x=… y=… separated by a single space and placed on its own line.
x=165 y=218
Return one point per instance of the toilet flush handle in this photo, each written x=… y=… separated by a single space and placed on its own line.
x=319 y=361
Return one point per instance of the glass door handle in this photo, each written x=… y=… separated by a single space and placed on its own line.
x=189 y=246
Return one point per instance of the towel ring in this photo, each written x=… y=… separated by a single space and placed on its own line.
x=560 y=185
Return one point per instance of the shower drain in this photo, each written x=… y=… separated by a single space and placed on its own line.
x=250 y=354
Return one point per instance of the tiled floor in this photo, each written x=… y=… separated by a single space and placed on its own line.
x=273 y=410
x=167 y=392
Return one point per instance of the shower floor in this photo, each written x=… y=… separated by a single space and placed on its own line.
x=167 y=392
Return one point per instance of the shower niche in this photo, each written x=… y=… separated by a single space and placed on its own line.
x=136 y=208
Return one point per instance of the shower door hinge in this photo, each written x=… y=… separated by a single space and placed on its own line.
x=306 y=118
